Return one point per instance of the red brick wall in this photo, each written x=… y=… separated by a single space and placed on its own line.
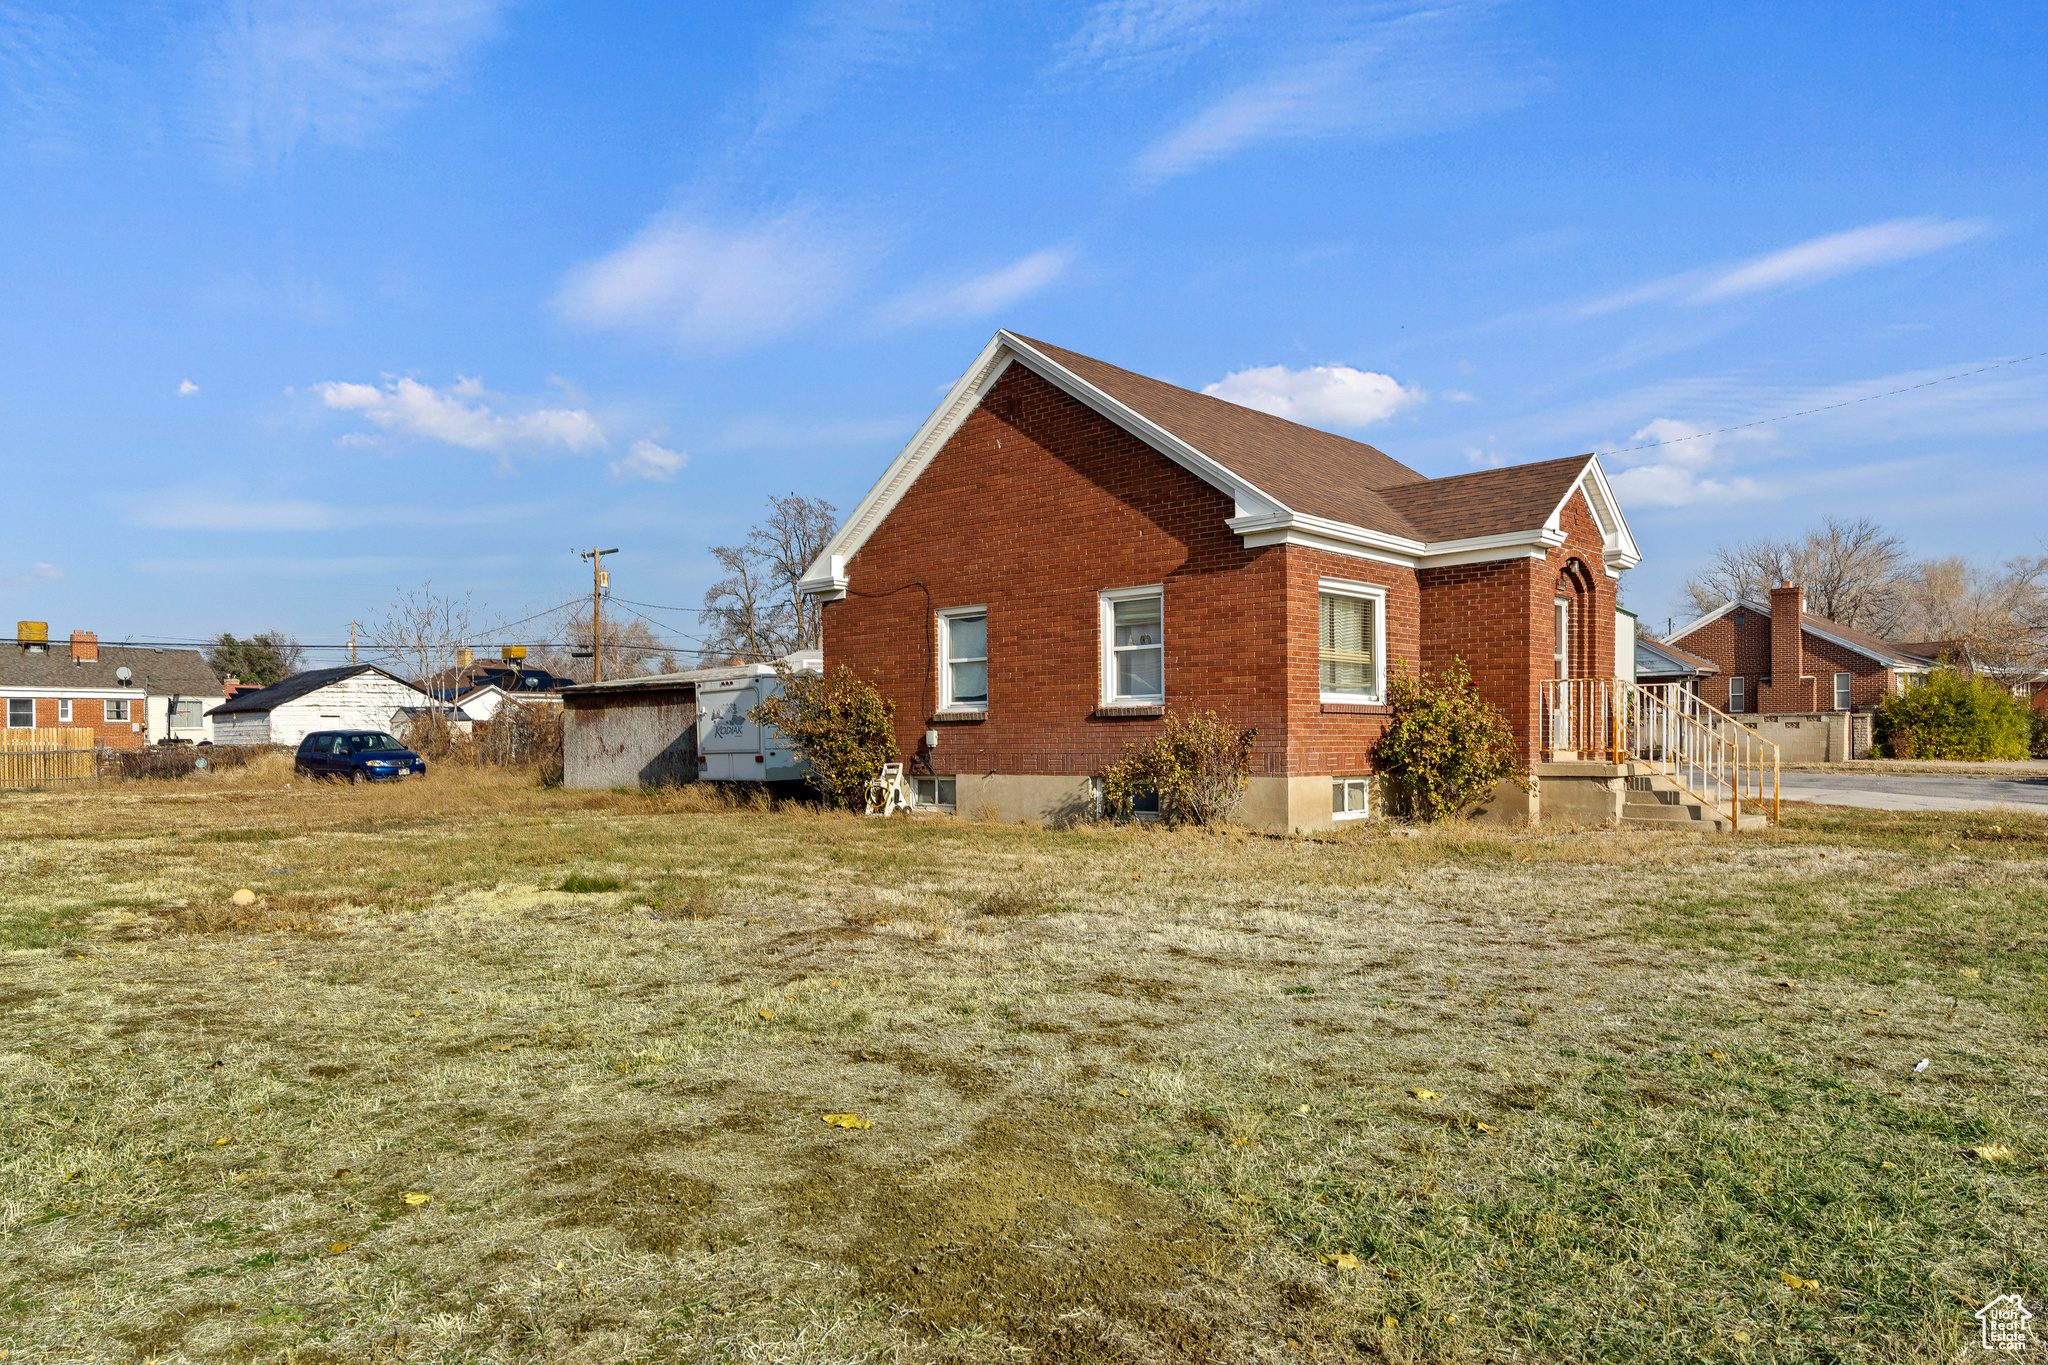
x=87 y=714
x=1037 y=505
x=1745 y=651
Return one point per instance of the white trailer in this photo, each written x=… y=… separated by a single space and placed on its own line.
x=730 y=746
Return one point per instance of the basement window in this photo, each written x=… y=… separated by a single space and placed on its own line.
x=1348 y=798
x=939 y=792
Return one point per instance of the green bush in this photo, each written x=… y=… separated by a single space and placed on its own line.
x=2037 y=733
x=1444 y=746
x=841 y=726
x=1953 y=717
x=1197 y=766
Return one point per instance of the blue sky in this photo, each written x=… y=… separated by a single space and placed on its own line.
x=302 y=303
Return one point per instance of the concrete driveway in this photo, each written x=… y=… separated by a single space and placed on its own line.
x=1890 y=791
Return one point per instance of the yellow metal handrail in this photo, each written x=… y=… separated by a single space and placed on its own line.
x=1706 y=752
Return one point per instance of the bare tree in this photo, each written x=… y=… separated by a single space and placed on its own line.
x=631 y=648
x=418 y=634
x=2000 y=612
x=1854 y=572
x=755 y=611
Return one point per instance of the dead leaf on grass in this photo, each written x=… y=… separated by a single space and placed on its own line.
x=416 y=1199
x=222 y=1141
x=1992 y=1151
x=1483 y=1127
x=339 y=1247
x=767 y=1013
x=1717 y=1054
x=1972 y=972
x=1796 y=1281
x=848 y=1121
x=1876 y=1012
x=1421 y=1094
x=1343 y=1260
x=1125 y=1093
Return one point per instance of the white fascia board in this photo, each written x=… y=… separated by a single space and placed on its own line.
x=73 y=693
x=826 y=577
x=1296 y=528
x=1523 y=548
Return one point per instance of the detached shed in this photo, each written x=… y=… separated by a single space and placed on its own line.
x=354 y=697
x=641 y=732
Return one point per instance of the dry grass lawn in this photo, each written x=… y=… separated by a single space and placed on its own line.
x=493 y=1073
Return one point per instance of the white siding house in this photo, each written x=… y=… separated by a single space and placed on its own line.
x=359 y=697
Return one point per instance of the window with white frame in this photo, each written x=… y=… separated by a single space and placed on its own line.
x=1734 y=694
x=21 y=713
x=113 y=709
x=963 y=654
x=63 y=710
x=1350 y=641
x=1347 y=798
x=1841 y=691
x=1134 y=646
x=941 y=792
x=185 y=715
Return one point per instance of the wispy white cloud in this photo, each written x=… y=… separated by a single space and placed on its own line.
x=1795 y=267
x=187 y=389
x=197 y=509
x=1682 y=473
x=459 y=415
x=1382 y=78
x=834 y=48
x=1318 y=395
x=980 y=295
x=710 y=288
x=38 y=572
x=646 y=460
x=1148 y=35
x=280 y=71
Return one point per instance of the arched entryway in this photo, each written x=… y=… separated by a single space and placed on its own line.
x=1572 y=624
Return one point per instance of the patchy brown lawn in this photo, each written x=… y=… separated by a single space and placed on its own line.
x=1134 y=1095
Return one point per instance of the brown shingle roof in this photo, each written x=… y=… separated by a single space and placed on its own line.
x=1325 y=475
x=1489 y=502
x=1849 y=635
x=159 y=672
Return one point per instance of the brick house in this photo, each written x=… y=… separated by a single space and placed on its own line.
x=1066 y=550
x=127 y=696
x=1770 y=667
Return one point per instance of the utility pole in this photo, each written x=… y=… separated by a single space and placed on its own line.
x=598 y=581
x=351 y=644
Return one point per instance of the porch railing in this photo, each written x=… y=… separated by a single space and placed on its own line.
x=1706 y=752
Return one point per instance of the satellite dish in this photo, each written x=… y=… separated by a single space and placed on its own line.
x=123 y=676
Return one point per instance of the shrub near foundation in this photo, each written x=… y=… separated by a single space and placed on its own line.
x=1198 y=766
x=1953 y=717
x=841 y=726
x=1445 y=746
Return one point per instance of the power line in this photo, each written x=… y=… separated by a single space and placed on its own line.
x=1829 y=407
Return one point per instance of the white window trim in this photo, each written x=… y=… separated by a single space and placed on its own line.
x=946 y=702
x=171 y=713
x=31 y=713
x=63 y=710
x=1841 y=705
x=1106 y=619
x=1364 y=812
x=1738 y=696
x=107 y=705
x=1378 y=596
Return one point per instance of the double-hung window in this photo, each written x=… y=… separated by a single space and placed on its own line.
x=185 y=715
x=1351 y=641
x=115 y=710
x=1734 y=695
x=1842 y=693
x=1134 y=647
x=21 y=713
x=963 y=667
x=63 y=710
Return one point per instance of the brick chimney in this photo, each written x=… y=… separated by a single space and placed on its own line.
x=85 y=647
x=1792 y=688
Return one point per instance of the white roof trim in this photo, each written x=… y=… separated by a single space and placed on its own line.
x=1261 y=518
x=1618 y=544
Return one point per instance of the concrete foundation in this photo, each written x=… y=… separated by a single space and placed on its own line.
x=1582 y=792
x=1033 y=800
x=1814 y=736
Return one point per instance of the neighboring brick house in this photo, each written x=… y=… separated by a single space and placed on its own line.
x=1067 y=550
x=1770 y=668
x=79 y=685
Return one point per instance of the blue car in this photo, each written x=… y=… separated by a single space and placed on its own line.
x=356 y=756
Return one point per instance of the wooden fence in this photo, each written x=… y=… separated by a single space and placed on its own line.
x=42 y=757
